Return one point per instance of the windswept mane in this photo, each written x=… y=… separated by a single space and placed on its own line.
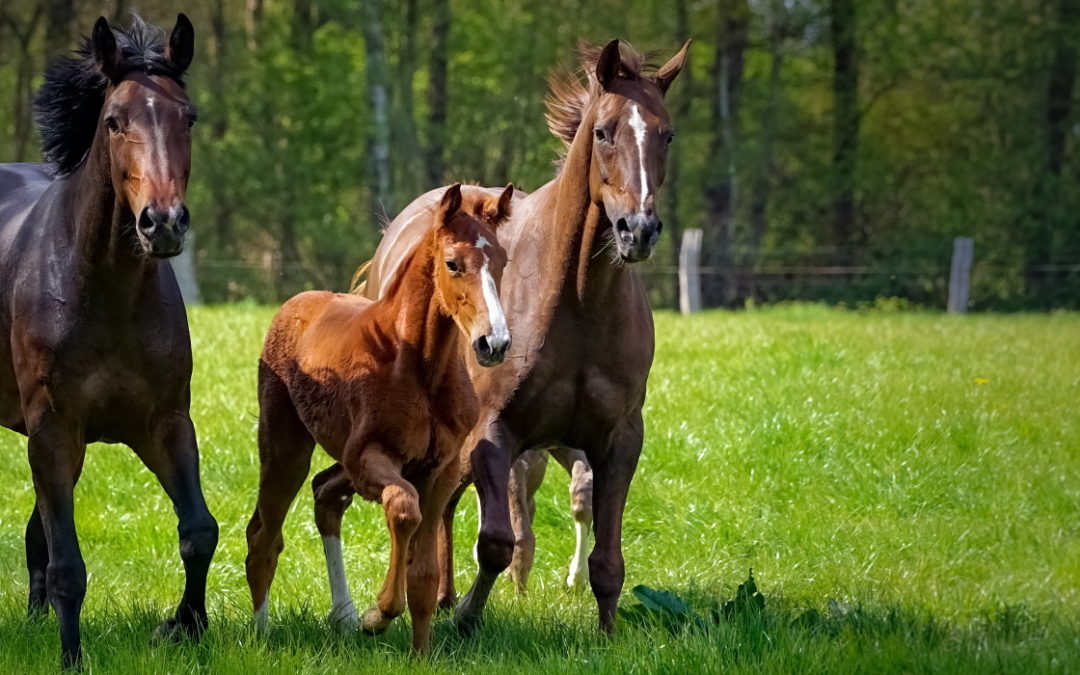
x=569 y=96
x=67 y=106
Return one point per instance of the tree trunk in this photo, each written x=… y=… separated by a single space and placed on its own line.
x=59 y=18
x=759 y=200
x=220 y=237
x=378 y=97
x=1046 y=216
x=252 y=21
x=845 y=128
x=680 y=114
x=25 y=69
x=409 y=178
x=440 y=58
x=722 y=194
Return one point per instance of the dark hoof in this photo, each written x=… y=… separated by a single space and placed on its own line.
x=37 y=610
x=468 y=625
x=446 y=604
x=172 y=631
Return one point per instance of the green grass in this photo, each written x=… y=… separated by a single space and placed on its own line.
x=920 y=469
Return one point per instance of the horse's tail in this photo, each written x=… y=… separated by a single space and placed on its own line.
x=359 y=278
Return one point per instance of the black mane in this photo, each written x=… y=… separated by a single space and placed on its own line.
x=67 y=106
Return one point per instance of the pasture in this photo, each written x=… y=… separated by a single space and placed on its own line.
x=921 y=471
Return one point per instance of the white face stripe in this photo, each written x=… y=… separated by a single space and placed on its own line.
x=491 y=297
x=482 y=242
x=637 y=123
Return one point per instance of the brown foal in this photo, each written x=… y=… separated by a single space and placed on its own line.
x=383 y=387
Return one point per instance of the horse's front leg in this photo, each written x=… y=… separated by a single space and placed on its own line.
x=172 y=454
x=37 y=563
x=56 y=454
x=612 y=472
x=377 y=473
x=423 y=583
x=495 y=541
x=333 y=493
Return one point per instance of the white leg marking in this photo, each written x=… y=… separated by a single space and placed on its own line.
x=261 y=614
x=579 y=565
x=342 y=612
x=479 y=525
x=637 y=123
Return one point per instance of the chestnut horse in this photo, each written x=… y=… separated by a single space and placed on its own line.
x=94 y=339
x=383 y=388
x=583 y=346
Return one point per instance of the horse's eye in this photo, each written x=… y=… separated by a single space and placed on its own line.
x=601 y=135
x=112 y=124
x=452 y=266
x=670 y=137
x=191 y=122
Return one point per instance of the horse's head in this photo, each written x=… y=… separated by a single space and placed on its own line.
x=469 y=264
x=147 y=118
x=624 y=114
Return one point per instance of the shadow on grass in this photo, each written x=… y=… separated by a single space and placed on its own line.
x=782 y=636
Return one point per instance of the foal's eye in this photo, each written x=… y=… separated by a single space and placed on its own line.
x=452 y=266
x=112 y=124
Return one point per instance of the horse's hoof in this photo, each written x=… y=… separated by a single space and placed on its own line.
x=446 y=603
x=577 y=582
x=467 y=623
x=172 y=631
x=374 y=622
x=343 y=619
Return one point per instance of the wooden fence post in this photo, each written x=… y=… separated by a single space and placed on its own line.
x=184 y=268
x=690 y=272
x=960 y=275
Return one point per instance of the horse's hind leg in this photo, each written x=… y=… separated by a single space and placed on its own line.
x=526 y=475
x=447 y=591
x=172 y=454
x=37 y=562
x=380 y=477
x=333 y=494
x=285 y=448
x=56 y=456
x=581 y=487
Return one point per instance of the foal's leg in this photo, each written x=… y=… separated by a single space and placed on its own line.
x=495 y=542
x=380 y=475
x=333 y=494
x=423 y=584
x=581 y=487
x=56 y=455
x=612 y=472
x=526 y=475
x=285 y=448
x=172 y=454
x=447 y=591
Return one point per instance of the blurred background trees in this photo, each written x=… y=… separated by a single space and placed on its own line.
x=830 y=149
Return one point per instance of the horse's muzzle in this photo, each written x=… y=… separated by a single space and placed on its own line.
x=162 y=232
x=636 y=236
x=491 y=349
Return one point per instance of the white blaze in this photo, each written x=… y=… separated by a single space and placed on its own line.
x=342 y=610
x=499 y=329
x=637 y=123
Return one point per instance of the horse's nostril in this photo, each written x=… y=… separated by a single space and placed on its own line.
x=622 y=226
x=482 y=345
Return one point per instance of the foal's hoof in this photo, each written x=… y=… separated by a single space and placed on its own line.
x=173 y=630
x=374 y=622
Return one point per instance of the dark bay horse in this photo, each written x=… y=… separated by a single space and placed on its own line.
x=583 y=332
x=94 y=340
x=382 y=386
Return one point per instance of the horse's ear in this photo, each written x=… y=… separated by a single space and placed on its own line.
x=181 y=47
x=670 y=70
x=608 y=65
x=107 y=56
x=451 y=202
x=497 y=209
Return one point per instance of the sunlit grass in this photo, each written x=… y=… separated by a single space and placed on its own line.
x=921 y=467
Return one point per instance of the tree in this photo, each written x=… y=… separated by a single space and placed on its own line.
x=845 y=127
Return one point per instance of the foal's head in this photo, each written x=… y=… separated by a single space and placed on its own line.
x=623 y=110
x=125 y=89
x=469 y=263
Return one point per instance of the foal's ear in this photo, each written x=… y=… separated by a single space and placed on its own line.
x=451 y=202
x=107 y=56
x=497 y=209
x=608 y=65
x=181 y=47
x=670 y=70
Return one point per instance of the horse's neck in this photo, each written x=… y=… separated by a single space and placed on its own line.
x=418 y=322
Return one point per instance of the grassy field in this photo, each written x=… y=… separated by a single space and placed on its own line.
x=915 y=478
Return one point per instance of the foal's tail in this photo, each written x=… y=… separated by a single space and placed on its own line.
x=359 y=278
